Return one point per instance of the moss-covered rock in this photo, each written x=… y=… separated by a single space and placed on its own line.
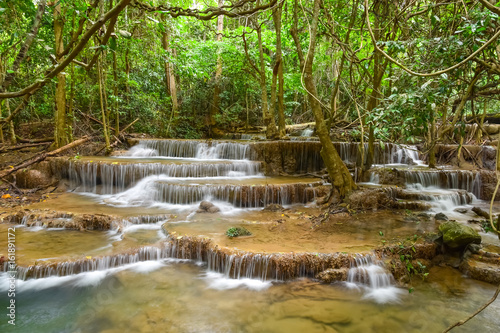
x=458 y=236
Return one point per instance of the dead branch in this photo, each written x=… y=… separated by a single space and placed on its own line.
x=34 y=140
x=40 y=157
x=4 y=149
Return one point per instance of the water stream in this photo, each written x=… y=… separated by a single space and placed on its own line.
x=140 y=277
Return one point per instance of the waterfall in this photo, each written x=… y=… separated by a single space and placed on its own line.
x=191 y=149
x=160 y=189
x=307 y=132
x=368 y=274
x=110 y=178
x=231 y=263
x=446 y=179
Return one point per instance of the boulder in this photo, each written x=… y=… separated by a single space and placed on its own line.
x=32 y=178
x=207 y=207
x=458 y=236
x=440 y=217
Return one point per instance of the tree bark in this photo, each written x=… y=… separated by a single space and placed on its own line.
x=338 y=172
x=103 y=109
x=378 y=73
x=170 y=79
x=12 y=132
x=60 y=134
x=214 y=108
x=268 y=117
x=279 y=71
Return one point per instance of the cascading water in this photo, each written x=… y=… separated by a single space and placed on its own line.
x=191 y=149
x=369 y=275
x=179 y=174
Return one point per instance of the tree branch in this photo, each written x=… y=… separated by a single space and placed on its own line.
x=409 y=71
x=491 y=7
x=25 y=47
x=210 y=12
x=78 y=48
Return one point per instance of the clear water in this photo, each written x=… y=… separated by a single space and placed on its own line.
x=173 y=296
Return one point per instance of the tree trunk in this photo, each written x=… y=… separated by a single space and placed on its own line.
x=279 y=71
x=432 y=139
x=269 y=122
x=338 y=172
x=71 y=116
x=170 y=79
x=103 y=108
x=378 y=73
x=61 y=131
x=12 y=132
x=214 y=109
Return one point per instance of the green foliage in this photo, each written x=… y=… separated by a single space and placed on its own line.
x=427 y=41
x=237 y=231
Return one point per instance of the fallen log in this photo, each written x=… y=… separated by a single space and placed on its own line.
x=40 y=157
x=17 y=147
x=34 y=140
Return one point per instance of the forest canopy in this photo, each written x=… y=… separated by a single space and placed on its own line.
x=386 y=69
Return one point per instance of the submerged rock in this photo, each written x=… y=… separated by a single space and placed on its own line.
x=274 y=208
x=207 y=207
x=461 y=210
x=458 y=236
x=440 y=217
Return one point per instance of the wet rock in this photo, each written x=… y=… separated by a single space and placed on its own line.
x=440 y=217
x=481 y=212
x=411 y=218
x=273 y=208
x=461 y=210
x=331 y=275
x=474 y=248
x=481 y=271
x=488 y=181
x=207 y=207
x=389 y=177
x=370 y=199
x=29 y=178
x=373 y=199
x=458 y=236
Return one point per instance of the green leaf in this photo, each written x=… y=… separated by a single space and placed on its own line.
x=410 y=290
x=161 y=26
x=10 y=71
x=112 y=44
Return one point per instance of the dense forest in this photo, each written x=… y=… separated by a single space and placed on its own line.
x=388 y=69
x=406 y=72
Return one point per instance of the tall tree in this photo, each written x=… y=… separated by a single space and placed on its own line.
x=339 y=174
x=61 y=136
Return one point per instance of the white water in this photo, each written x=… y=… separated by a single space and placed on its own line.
x=307 y=132
x=369 y=276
